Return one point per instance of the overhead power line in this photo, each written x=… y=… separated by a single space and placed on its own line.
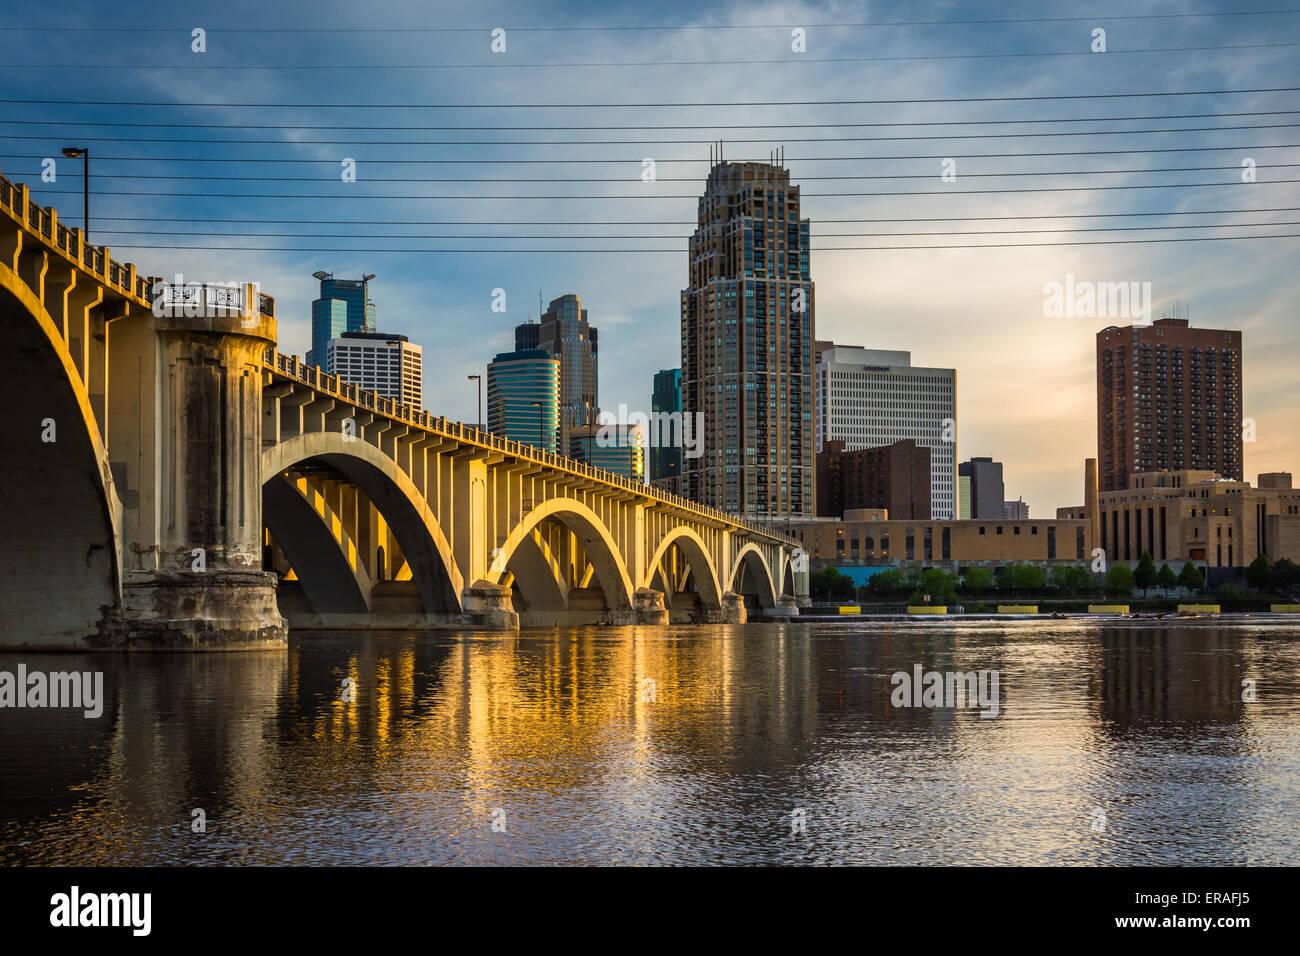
x=631 y=236
x=684 y=222
x=684 y=179
x=426 y=128
x=630 y=160
x=680 y=251
x=502 y=63
x=951 y=193
x=655 y=142
x=172 y=104
x=611 y=28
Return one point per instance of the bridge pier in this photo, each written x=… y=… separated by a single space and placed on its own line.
x=732 y=610
x=206 y=589
x=648 y=609
x=488 y=606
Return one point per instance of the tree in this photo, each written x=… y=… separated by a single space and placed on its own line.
x=976 y=580
x=1190 y=578
x=886 y=582
x=1081 y=579
x=1260 y=573
x=1059 y=577
x=1166 y=578
x=1145 y=575
x=1286 y=575
x=938 y=584
x=1119 y=580
x=1023 y=577
x=829 y=584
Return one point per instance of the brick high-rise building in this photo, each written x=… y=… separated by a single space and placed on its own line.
x=892 y=477
x=1168 y=399
x=747 y=338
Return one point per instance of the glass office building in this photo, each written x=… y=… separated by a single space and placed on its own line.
x=523 y=390
x=344 y=306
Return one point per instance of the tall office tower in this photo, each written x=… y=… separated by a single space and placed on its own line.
x=1168 y=399
x=527 y=336
x=344 y=306
x=987 y=492
x=388 y=365
x=665 y=445
x=566 y=335
x=524 y=397
x=1017 y=510
x=872 y=397
x=963 y=497
x=616 y=448
x=747 y=335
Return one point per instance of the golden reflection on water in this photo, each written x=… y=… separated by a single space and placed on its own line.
x=671 y=745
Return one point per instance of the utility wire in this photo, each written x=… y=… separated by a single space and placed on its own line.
x=424 y=128
x=681 y=222
x=476 y=161
x=627 y=236
x=173 y=104
x=655 y=142
x=681 y=179
x=679 y=251
x=502 y=63
x=410 y=28
x=951 y=193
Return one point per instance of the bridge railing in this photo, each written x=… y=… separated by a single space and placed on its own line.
x=293 y=367
x=43 y=221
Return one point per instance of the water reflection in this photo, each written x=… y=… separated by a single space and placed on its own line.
x=671 y=745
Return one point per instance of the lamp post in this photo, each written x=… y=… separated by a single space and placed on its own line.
x=82 y=153
x=478 y=425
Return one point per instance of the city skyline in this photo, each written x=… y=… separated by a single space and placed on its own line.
x=979 y=311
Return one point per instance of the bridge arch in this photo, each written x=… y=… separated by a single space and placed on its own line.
x=598 y=544
x=418 y=532
x=703 y=571
x=333 y=579
x=751 y=576
x=61 y=520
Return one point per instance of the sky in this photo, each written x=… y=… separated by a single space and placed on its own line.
x=1026 y=392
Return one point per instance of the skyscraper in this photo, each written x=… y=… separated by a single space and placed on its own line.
x=987 y=491
x=1168 y=399
x=665 y=454
x=526 y=336
x=872 y=397
x=747 y=336
x=344 y=306
x=565 y=333
x=523 y=397
x=388 y=365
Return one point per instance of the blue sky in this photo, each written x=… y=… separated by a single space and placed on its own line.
x=1025 y=382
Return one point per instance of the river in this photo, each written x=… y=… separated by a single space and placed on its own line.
x=1112 y=743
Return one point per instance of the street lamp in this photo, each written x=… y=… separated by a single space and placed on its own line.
x=83 y=153
x=478 y=425
x=540 y=445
